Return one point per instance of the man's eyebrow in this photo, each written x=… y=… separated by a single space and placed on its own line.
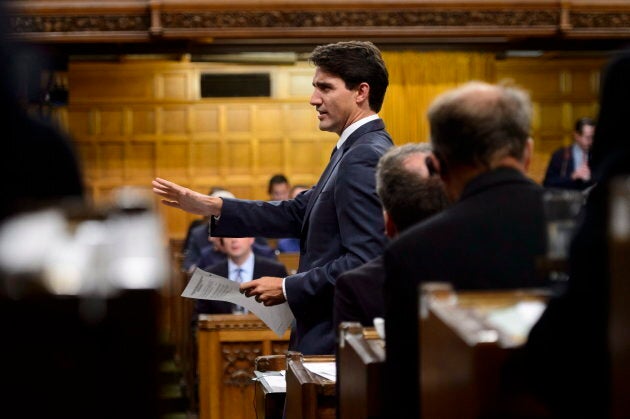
x=322 y=84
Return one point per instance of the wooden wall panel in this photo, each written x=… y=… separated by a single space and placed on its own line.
x=133 y=121
x=562 y=89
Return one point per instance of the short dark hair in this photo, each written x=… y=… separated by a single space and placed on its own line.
x=476 y=122
x=275 y=180
x=405 y=194
x=582 y=122
x=355 y=62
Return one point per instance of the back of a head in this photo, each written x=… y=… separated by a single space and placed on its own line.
x=478 y=122
x=611 y=135
x=355 y=62
x=406 y=192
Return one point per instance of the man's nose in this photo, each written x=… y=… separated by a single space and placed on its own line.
x=315 y=99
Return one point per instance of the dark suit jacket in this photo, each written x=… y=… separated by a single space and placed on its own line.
x=340 y=225
x=489 y=239
x=561 y=166
x=359 y=294
x=262 y=267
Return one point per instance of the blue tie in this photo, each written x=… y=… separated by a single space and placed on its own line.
x=238 y=279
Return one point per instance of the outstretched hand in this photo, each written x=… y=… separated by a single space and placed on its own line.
x=177 y=196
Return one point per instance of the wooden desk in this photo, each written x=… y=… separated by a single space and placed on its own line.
x=360 y=372
x=461 y=351
x=227 y=348
x=269 y=404
x=309 y=396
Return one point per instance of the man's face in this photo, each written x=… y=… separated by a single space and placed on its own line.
x=279 y=192
x=236 y=247
x=584 y=139
x=333 y=102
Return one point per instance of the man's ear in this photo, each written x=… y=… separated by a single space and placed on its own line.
x=390 y=228
x=433 y=164
x=363 y=92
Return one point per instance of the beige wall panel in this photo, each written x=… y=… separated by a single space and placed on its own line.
x=269 y=119
x=175 y=85
x=238 y=158
x=582 y=83
x=89 y=159
x=206 y=119
x=271 y=157
x=303 y=118
x=111 y=158
x=80 y=124
x=143 y=121
x=238 y=118
x=205 y=159
x=307 y=157
x=110 y=122
x=174 y=120
x=172 y=160
x=301 y=83
x=141 y=161
x=96 y=85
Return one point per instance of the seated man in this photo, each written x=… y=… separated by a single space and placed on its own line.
x=569 y=166
x=408 y=196
x=489 y=237
x=241 y=265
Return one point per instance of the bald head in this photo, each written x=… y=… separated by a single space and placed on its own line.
x=478 y=123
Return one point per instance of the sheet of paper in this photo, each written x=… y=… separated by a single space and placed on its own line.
x=325 y=369
x=207 y=286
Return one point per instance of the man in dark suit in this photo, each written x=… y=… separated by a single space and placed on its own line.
x=408 y=196
x=339 y=221
x=569 y=166
x=241 y=265
x=489 y=238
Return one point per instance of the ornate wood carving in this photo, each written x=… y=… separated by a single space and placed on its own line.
x=599 y=20
x=102 y=23
x=238 y=362
x=363 y=18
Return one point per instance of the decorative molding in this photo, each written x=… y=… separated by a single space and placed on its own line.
x=600 y=20
x=238 y=362
x=99 y=23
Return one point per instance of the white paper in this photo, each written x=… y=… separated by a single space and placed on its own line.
x=207 y=286
x=325 y=369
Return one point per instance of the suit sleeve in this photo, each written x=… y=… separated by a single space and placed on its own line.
x=554 y=178
x=273 y=219
x=360 y=227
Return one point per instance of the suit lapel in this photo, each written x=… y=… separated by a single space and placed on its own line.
x=334 y=161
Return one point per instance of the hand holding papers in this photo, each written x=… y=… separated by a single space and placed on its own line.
x=206 y=286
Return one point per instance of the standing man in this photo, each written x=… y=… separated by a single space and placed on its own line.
x=489 y=238
x=339 y=221
x=569 y=166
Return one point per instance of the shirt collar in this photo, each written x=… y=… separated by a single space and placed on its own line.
x=247 y=267
x=353 y=127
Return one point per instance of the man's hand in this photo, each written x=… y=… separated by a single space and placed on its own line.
x=185 y=199
x=266 y=290
x=582 y=172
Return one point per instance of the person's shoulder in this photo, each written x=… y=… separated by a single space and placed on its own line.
x=216 y=267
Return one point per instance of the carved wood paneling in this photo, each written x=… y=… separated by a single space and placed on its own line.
x=132 y=21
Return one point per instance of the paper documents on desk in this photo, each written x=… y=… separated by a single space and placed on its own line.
x=206 y=286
